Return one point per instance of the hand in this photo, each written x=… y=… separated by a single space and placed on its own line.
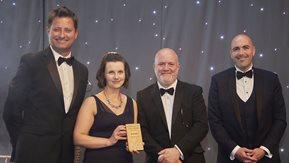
x=169 y=155
x=133 y=151
x=119 y=133
x=245 y=155
x=258 y=153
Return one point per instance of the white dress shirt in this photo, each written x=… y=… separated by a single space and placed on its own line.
x=168 y=103
x=244 y=86
x=65 y=72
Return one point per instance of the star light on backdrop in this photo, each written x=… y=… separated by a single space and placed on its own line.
x=151 y=22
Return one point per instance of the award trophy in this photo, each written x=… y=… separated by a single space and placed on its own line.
x=134 y=137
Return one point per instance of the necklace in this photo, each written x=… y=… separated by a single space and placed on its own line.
x=112 y=105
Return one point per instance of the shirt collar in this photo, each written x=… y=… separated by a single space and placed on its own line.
x=237 y=69
x=57 y=55
x=174 y=85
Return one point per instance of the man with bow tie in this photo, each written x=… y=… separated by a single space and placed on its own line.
x=172 y=114
x=45 y=96
x=247 y=113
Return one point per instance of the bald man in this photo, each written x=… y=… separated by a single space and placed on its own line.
x=172 y=115
x=247 y=113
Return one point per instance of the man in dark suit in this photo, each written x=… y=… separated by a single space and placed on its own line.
x=172 y=114
x=45 y=96
x=247 y=113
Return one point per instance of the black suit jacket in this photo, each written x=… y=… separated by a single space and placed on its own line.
x=225 y=119
x=189 y=122
x=34 y=113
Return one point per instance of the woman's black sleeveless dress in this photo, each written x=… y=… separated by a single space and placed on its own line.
x=105 y=121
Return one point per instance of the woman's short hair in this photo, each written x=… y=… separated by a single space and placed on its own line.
x=111 y=57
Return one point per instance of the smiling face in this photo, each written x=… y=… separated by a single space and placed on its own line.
x=62 y=34
x=242 y=52
x=166 y=66
x=114 y=74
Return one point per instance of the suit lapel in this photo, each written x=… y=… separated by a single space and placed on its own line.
x=234 y=96
x=258 y=84
x=177 y=101
x=158 y=103
x=76 y=77
x=51 y=65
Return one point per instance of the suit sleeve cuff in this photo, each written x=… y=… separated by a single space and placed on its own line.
x=181 y=153
x=268 y=153
x=232 y=155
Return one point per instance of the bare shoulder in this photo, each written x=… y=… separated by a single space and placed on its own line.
x=89 y=100
x=89 y=105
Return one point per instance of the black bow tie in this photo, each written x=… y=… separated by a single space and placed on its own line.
x=169 y=91
x=69 y=61
x=247 y=74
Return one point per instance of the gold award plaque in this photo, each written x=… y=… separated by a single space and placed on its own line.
x=134 y=137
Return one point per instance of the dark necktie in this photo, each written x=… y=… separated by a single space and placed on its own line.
x=169 y=91
x=69 y=61
x=247 y=74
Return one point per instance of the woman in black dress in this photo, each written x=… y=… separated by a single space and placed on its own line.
x=100 y=125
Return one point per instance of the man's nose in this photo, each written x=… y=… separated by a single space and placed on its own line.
x=62 y=34
x=241 y=52
x=166 y=66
